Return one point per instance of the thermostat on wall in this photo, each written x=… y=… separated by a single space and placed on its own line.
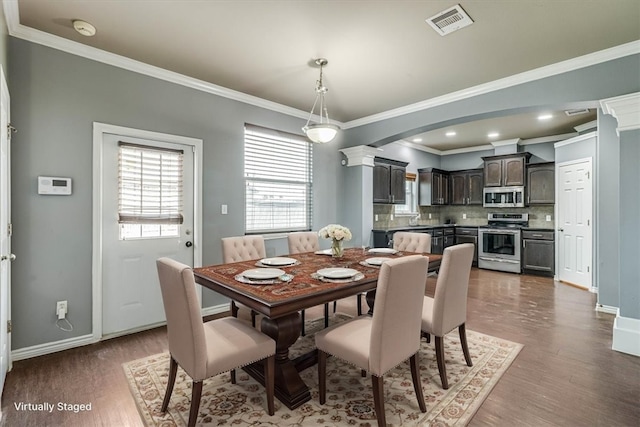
x=54 y=185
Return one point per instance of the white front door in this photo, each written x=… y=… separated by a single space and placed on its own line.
x=130 y=289
x=5 y=231
x=575 y=224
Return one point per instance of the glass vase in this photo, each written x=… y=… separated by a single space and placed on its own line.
x=336 y=248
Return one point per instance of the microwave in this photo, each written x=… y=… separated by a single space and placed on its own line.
x=503 y=197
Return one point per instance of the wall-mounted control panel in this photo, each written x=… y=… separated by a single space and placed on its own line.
x=54 y=185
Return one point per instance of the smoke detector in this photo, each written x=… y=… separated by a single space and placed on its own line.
x=84 y=28
x=450 y=20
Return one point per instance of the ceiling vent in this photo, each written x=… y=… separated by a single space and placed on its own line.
x=450 y=20
x=576 y=111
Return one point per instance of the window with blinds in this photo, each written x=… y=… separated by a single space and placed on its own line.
x=278 y=181
x=150 y=191
x=411 y=197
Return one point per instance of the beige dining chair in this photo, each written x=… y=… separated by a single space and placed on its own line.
x=408 y=242
x=242 y=248
x=448 y=308
x=307 y=241
x=204 y=350
x=380 y=342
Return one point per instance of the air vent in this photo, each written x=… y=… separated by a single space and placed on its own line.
x=450 y=20
x=576 y=112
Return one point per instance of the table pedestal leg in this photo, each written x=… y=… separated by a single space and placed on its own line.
x=289 y=387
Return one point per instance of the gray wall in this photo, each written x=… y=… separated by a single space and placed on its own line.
x=4 y=37
x=55 y=99
x=607 y=204
x=416 y=158
x=462 y=161
x=629 y=224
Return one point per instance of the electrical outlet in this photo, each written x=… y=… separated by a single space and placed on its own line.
x=548 y=218
x=464 y=216
x=224 y=209
x=376 y=217
x=391 y=217
x=61 y=309
x=429 y=216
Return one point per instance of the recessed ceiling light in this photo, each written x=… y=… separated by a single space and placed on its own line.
x=417 y=139
x=545 y=116
x=493 y=135
x=84 y=28
x=451 y=133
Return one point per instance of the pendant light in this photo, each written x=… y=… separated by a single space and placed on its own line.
x=323 y=131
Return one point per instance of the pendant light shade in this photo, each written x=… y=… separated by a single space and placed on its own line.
x=322 y=131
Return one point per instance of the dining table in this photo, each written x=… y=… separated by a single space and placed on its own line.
x=280 y=299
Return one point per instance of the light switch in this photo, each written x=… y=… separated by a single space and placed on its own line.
x=548 y=218
x=376 y=217
x=464 y=216
x=224 y=209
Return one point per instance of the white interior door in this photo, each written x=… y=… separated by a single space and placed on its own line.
x=574 y=226
x=5 y=232
x=130 y=289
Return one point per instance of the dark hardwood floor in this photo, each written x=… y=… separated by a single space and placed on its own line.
x=566 y=375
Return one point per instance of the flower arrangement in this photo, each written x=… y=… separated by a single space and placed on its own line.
x=337 y=233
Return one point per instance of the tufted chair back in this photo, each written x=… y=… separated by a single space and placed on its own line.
x=412 y=242
x=242 y=248
x=303 y=241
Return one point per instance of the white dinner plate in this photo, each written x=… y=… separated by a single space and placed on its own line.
x=382 y=251
x=278 y=261
x=323 y=252
x=262 y=273
x=376 y=261
x=337 y=273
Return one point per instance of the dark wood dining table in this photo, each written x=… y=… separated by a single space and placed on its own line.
x=280 y=304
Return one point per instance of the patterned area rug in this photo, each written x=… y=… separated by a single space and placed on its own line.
x=349 y=396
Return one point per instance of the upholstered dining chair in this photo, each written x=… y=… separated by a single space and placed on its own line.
x=242 y=248
x=204 y=350
x=409 y=242
x=412 y=242
x=448 y=308
x=307 y=241
x=380 y=342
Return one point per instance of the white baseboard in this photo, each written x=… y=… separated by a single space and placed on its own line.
x=215 y=309
x=51 y=347
x=626 y=335
x=606 y=309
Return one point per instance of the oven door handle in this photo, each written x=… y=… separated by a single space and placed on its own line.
x=507 y=261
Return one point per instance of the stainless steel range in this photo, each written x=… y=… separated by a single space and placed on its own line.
x=499 y=242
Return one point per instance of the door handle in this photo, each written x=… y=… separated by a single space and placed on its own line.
x=561 y=229
x=188 y=244
x=11 y=257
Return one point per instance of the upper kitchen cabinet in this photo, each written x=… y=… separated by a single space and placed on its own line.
x=541 y=185
x=433 y=187
x=466 y=187
x=389 y=177
x=506 y=170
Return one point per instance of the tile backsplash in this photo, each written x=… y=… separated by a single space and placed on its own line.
x=384 y=217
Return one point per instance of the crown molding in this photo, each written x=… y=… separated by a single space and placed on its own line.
x=586 y=126
x=626 y=109
x=360 y=155
x=631 y=48
x=15 y=29
x=578 y=138
x=550 y=138
x=505 y=142
x=55 y=42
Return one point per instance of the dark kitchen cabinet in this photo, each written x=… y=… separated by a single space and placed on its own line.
x=506 y=170
x=389 y=178
x=541 y=184
x=466 y=187
x=449 y=237
x=437 y=240
x=468 y=235
x=433 y=187
x=538 y=252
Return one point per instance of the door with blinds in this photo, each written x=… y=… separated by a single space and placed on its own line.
x=148 y=213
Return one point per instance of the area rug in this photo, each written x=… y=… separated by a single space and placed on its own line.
x=349 y=396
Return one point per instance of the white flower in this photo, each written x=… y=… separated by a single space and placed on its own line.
x=335 y=231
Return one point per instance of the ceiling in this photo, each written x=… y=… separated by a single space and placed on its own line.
x=382 y=54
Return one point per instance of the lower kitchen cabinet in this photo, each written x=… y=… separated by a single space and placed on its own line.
x=538 y=252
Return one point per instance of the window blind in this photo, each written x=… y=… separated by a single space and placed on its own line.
x=278 y=181
x=150 y=185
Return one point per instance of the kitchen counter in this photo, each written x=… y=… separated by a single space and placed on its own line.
x=415 y=227
x=538 y=229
